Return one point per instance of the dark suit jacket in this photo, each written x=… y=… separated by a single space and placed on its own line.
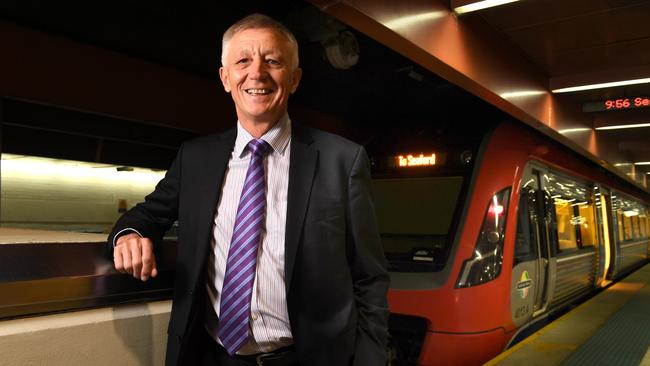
x=335 y=270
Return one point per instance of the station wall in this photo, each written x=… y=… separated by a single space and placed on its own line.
x=133 y=334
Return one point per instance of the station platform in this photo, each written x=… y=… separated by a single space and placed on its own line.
x=612 y=328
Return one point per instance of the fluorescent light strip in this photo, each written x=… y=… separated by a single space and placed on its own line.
x=411 y=20
x=481 y=5
x=570 y=130
x=620 y=127
x=601 y=85
x=525 y=93
x=642 y=163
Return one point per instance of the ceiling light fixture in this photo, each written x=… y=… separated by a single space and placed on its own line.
x=476 y=5
x=620 y=127
x=601 y=85
x=412 y=20
x=570 y=130
x=525 y=93
x=642 y=163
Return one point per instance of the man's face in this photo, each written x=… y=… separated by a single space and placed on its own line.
x=259 y=73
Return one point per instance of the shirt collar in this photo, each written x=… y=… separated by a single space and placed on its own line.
x=278 y=136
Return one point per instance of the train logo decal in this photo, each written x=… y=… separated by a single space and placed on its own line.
x=524 y=284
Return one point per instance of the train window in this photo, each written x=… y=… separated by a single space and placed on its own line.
x=574 y=211
x=631 y=218
x=415 y=217
x=54 y=194
x=643 y=224
x=525 y=248
x=588 y=228
x=551 y=219
x=642 y=234
x=627 y=220
x=419 y=200
x=635 y=227
x=619 y=221
x=565 y=228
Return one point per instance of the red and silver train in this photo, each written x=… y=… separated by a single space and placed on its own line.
x=489 y=230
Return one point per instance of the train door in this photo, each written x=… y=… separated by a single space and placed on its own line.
x=618 y=236
x=606 y=247
x=531 y=282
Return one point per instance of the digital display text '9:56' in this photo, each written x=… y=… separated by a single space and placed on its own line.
x=626 y=103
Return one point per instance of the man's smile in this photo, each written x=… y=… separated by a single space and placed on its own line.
x=258 y=91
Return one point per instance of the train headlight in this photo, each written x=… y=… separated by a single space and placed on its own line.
x=485 y=264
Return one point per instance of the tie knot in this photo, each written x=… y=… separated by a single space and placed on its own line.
x=259 y=147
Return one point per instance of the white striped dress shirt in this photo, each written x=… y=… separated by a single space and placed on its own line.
x=269 y=316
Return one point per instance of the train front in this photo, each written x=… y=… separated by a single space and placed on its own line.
x=445 y=306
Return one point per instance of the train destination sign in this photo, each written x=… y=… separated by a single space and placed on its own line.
x=412 y=160
x=617 y=104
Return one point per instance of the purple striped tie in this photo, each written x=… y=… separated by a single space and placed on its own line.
x=242 y=256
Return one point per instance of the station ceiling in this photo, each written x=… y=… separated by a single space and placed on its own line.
x=583 y=42
x=568 y=42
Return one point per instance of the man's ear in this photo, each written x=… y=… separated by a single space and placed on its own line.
x=225 y=80
x=295 y=80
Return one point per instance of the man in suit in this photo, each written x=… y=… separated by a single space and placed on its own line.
x=310 y=288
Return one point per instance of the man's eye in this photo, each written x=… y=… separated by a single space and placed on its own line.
x=272 y=61
x=242 y=61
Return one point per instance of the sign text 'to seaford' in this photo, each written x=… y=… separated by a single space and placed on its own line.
x=410 y=160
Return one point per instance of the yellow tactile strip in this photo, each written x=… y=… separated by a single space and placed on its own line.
x=555 y=342
x=622 y=341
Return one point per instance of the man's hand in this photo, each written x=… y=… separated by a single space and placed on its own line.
x=134 y=255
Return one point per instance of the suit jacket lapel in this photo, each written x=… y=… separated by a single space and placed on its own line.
x=302 y=168
x=213 y=171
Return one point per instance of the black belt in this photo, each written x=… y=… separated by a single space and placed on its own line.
x=285 y=356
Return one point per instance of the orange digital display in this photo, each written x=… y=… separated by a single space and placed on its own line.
x=411 y=160
x=617 y=104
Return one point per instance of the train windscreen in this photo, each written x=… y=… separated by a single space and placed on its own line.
x=416 y=239
x=421 y=176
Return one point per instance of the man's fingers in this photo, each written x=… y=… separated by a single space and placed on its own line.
x=136 y=259
x=126 y=258
x=154 y=268
x=118 y=260
x=148 y=259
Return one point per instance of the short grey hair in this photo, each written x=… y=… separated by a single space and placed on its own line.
x=258 y=21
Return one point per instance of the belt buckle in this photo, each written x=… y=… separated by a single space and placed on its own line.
x=259 y=360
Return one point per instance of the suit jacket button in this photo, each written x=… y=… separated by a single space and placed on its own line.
x=190 y=292
x=178 y=339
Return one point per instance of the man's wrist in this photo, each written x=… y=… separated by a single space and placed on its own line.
x=123 y=232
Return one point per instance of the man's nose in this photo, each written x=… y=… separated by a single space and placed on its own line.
x=258 y=69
